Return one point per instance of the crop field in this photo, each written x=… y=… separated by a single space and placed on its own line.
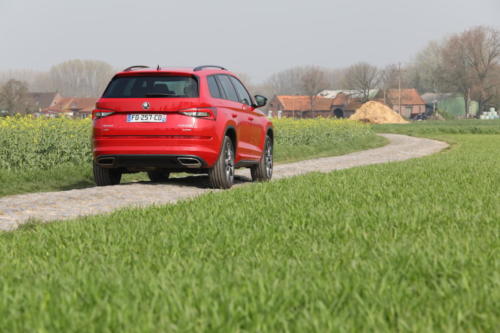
x=408 y=246
x=55 y=154
x=430 y=128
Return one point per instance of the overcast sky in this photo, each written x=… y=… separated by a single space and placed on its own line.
x=256 y=37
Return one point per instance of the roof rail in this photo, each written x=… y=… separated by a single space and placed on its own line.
x=128 y=69
x=199 y=68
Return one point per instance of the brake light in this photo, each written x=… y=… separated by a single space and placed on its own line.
x=97 y=114
x=208 y=113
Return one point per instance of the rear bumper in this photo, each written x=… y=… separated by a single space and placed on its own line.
x=159 y=151
x=173 y=162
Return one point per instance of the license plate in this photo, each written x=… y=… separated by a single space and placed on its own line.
x=146 y=118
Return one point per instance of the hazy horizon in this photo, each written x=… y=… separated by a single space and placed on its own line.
x=257 y=38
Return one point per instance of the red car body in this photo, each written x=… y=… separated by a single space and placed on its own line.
x=193 y=128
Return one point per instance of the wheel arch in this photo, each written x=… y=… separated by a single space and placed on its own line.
x=231 y=133
x=270 y=133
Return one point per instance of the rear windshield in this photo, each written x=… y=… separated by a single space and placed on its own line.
x=152 y=86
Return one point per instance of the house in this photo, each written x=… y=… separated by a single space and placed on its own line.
x=301 y=106
x=406 y=102
x=75 y=107
x=345 y=105
x=452 y=104
x=43 y=100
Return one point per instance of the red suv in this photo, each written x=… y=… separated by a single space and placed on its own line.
x=200 y=120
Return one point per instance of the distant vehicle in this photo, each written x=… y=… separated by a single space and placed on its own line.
x=200 y=120
x=423 y=116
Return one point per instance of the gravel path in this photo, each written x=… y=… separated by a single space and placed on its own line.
x=18 y=209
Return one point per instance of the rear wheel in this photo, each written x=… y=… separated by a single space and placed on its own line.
x=158 y=176
x=264 y=170
x=106 y=176
x=222 y=174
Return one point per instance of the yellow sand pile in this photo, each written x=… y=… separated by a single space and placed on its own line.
x=377 y=113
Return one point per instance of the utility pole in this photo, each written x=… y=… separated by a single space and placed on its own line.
x=399 y=87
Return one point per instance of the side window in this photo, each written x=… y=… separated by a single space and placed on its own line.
x=213 y=87
x=243 y=95
x=229 y=90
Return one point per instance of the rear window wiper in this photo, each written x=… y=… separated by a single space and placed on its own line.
x=159 y=95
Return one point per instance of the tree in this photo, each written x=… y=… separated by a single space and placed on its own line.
x=426 y=71
x=15 y=99
x=313 y=81
x=456 y=72
x=287 y=82
x=81 y=78
x=362 y=77
x=481 y=50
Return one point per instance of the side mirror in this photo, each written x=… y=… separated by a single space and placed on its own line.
x=260 y=101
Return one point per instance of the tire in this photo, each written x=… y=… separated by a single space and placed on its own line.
x=158 y=176
x=105 y=176
x=263 y=171
x=222 y=174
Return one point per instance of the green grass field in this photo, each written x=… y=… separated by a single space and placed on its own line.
x=408 y=246
x=429 y=128
x=54 y=154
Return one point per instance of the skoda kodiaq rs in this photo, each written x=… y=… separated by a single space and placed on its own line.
x=164 y=120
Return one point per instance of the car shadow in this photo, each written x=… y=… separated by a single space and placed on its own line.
x=197 y=181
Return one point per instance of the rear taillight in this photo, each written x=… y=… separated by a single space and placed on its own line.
x=206 y=113
x=97 y=114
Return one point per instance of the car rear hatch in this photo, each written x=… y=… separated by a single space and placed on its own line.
x=147 y=104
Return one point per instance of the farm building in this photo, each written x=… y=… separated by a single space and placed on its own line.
x=71 y=107
x=43 y=100
x=345 y=105
x=301 y=106
x=406 y=102
x=453 y=104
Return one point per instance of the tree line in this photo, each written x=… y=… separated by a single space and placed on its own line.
x=466 y=63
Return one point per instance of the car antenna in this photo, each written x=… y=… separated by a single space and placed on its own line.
x=158 y=68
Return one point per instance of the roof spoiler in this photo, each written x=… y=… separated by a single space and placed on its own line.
x=131 y=68
x=199 y=68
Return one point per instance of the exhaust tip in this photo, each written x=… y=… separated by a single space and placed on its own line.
x=189 y=162
x=106 y=161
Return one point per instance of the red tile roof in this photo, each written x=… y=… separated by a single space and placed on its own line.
x=408 y=97
x=68 y=104
x=303 y=103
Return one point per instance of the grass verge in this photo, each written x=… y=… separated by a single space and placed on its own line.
x=410 y=246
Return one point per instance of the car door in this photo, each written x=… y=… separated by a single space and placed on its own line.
x=253 y=117
x=243 y=130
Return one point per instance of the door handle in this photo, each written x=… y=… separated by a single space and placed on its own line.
x=234 y=115
x=250 y=118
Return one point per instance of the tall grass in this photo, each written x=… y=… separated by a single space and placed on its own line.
x=410 y=247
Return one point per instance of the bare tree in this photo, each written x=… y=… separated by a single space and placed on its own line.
x=287 y=82
x=425 y=72
x=335 y=77
x=456 y=72
x=481 y=50
x=389 y=77
x=469 y=63
x=362 y=77
x=15 y=99
x=81 y=78
x=24 y=75
x=313 y=81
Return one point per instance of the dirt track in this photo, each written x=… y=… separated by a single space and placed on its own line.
x=50 y=206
